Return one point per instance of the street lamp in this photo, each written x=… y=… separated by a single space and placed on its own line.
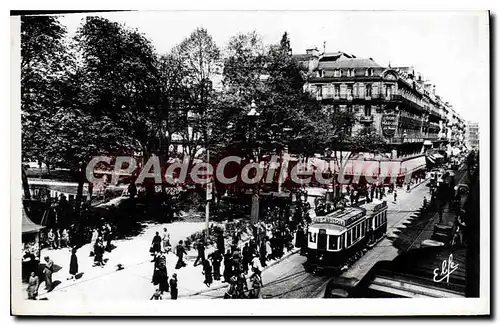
x=254 y=214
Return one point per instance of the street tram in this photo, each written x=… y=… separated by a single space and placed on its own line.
x=338 y=239
x=377 y=221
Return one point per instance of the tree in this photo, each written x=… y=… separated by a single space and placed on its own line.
x=118 y=77
x=45 y=64
x=367 y=139
x=201 y=64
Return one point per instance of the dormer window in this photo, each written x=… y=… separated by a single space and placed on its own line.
x=369 y=72
x=337 y=73
x=350 y=73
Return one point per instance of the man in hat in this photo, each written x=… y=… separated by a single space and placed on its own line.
x=201 y=253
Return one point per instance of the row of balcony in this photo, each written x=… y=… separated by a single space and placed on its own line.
x=351 y=97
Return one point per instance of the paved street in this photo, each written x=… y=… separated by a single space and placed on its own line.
x=287 y=279
x=284 y=279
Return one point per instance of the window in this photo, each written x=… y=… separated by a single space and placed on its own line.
x=369 y=72
x=368 y=110
x=368 y=90
x=337 y=73
x=349 y=234
x=349 y=90
x=341 y=242
x=320 y=91
x=332 y=242
x=349 y=108
x=336 y=90
x=388 y=90
x=312 y=237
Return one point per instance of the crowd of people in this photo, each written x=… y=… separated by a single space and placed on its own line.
x=233 y=261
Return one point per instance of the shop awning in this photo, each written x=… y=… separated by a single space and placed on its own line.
x=29 y=226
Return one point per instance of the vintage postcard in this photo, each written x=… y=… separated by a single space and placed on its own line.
x=220 y=162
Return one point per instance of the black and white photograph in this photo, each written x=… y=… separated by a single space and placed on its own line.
x=251 y=158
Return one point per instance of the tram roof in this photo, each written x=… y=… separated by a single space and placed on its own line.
x=340 y=217
x=375 y=205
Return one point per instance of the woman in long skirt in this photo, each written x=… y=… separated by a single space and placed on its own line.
x=73 y=265
x=163 y=278
x=33 y=284
x=207 y=270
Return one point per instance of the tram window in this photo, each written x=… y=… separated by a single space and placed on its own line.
x=348 y=234
x=332 y=242
x=312 y=237
x=341 y=242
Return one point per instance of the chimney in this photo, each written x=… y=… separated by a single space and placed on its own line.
x=434 y=90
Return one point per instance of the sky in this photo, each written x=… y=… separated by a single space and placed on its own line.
x=450 y=49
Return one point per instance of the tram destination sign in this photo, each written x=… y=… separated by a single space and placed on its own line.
x=339 y=221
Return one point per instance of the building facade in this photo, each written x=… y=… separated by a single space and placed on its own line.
x=472 y=135
x=402 y=106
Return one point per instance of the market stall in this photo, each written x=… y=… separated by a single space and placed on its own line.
x=30 y=245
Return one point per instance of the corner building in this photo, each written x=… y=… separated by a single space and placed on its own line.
x=399 y=103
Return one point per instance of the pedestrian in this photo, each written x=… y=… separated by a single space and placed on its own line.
x=425 y=203
x=132 y=190
x=228 y=268
x=108 y=237
x=269 y=250
x=408 y=187
x=173 y=287
x=156 y=295
x=372 y=192
x=156 y=244
x=440 y=214
x=162 y=277
x=180 y=252
x=99 y=253
x=263 y=253
x=166 y=240
x=93 y=241
x=246 y=257
x=216 y=258
x=58 y=239
x=65 y=238
x=33 y=284
x=207 y=271
x=256 y=285
x=51 y=239
x=73 y=265
x=201 y=253
x=241 y=286
x=256 y=265
x=47 y=271
x=395 y=195
x=220 y=243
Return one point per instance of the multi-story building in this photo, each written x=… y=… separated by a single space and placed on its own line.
x=472 y=135
x=401 y=105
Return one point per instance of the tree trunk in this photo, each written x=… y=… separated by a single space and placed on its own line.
x=26 y=187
